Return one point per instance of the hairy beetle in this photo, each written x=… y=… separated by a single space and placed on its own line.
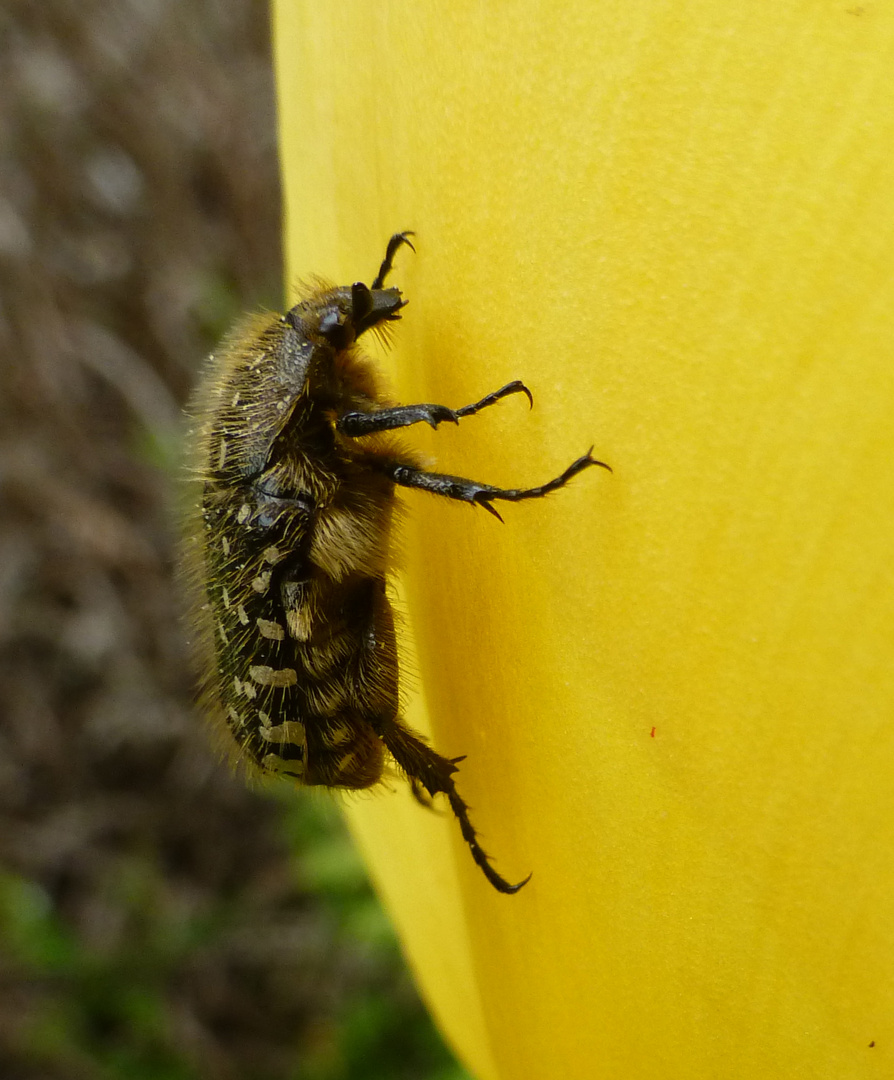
x=288 y=538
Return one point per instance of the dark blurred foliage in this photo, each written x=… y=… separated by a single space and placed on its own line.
x=158 y=919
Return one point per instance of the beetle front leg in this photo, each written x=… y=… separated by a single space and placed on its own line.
x=394 y=244
x=355 y=424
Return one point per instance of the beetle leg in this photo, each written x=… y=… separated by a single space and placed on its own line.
x=394 y=245
x=353 y=424
x=470 y=491
x=426 y=768
x=419 y=793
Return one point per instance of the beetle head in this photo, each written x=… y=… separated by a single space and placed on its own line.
x=342 y=315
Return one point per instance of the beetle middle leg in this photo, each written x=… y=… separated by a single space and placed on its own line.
x=470 y=491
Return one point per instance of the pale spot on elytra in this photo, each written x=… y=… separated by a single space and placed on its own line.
x=277 y=764
x=268 y=676
x=262 y=582
x=291 y=731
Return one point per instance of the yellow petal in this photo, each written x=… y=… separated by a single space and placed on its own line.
x=674 y=685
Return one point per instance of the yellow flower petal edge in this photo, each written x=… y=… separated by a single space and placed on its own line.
x=674 y=685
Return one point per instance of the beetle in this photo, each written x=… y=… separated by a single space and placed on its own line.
x=288 y=538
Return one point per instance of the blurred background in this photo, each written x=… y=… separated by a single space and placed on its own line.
x=158 y=920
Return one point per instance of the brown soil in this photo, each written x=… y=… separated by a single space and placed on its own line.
x=155 y=919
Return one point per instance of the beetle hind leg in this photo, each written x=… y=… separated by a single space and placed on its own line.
x=427 y=769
